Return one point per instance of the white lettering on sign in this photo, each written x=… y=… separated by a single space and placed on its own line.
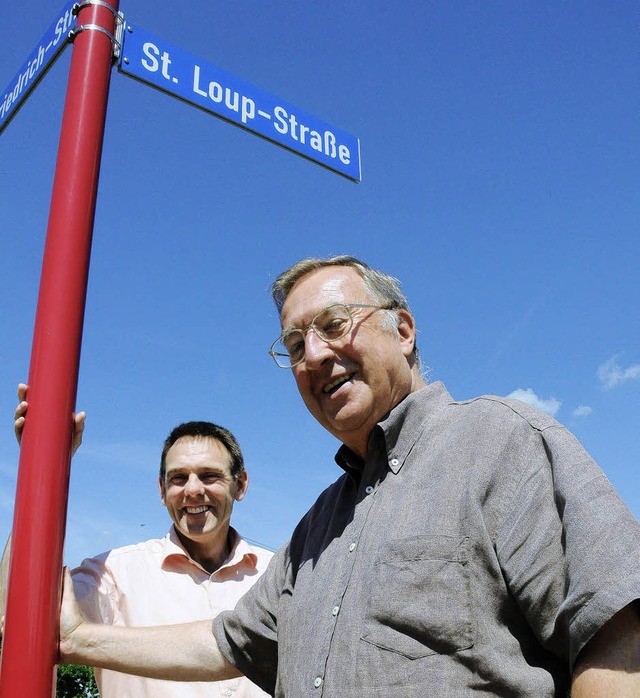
x=323 y=143
x=62 y=26
x=214 y=90
x=152 y=52
x=25 y=78
x=233 y=101
x=283 y=122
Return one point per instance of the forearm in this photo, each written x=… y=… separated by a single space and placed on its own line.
x=605 y=683
x=186 y=652
x=609 y=666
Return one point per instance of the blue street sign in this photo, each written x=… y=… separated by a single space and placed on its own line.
x=208 y=87
x=35 y=67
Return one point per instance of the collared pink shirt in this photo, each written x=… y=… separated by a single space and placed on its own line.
x=156 y=583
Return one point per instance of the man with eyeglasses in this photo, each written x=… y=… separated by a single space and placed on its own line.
x=469 y=548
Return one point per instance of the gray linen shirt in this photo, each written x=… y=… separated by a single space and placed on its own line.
x=474 y=552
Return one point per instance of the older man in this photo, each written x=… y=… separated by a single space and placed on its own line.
x=469 y=548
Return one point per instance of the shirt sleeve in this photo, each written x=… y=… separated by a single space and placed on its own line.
x=95 y=590
x=248 y=635
x=568 y=546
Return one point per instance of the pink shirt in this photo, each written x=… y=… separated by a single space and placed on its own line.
x=157 y=583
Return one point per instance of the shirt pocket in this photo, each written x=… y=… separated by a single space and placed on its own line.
x=420 y=599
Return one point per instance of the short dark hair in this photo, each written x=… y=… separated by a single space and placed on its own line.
x=204 y=430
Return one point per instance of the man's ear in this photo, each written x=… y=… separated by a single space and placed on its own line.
x=242 y=482
x=406 y=331
x=162 y=490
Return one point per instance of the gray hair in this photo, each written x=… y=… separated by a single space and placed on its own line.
x=382 y=288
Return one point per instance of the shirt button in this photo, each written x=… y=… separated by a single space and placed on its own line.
x=352 y=547
x=318 y=682
x=394 y=461
x=335 y=610
x=368 y=489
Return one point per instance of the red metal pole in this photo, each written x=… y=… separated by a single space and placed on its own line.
x=30 y=641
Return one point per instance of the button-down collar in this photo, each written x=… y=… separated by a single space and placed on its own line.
x=241 y=553
x=398 y=431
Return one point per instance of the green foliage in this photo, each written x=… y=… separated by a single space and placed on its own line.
x=75 y=681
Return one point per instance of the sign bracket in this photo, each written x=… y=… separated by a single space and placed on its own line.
x=116 y=39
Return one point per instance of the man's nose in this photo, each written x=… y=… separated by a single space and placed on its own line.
x=194 y=485
x=316 y=350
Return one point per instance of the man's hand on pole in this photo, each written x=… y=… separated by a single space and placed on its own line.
x=70 y=617
x=21 y=413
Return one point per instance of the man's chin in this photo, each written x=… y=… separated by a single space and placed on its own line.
x=344 y=423
x=195 y=532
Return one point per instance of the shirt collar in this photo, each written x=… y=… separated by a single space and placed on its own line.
x=241 y=551
x=397 y=432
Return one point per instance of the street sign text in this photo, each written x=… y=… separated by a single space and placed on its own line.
x=211 y=88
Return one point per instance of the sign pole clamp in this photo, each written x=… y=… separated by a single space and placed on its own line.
x=115 y=40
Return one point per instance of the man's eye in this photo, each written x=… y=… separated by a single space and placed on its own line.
x=294 y=345
x=296 y=349
x=334 y=328
x=177 y=480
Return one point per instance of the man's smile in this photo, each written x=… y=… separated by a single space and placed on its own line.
x=331 y=388
x=196 y=510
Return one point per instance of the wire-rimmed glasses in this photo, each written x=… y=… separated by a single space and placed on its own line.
x=330 y=324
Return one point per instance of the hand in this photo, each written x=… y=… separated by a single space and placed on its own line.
x=20 y=415
x=70 y=617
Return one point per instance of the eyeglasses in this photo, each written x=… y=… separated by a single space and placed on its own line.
x=330 y=324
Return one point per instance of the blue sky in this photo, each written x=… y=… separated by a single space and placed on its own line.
x=500 y=184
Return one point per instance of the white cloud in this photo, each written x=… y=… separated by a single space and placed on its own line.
x=612 y=374
x=582 y=411
x=550 y=406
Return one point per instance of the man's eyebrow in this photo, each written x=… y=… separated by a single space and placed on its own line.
x=287 y=327
x=181 y=469
x=300 y=325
